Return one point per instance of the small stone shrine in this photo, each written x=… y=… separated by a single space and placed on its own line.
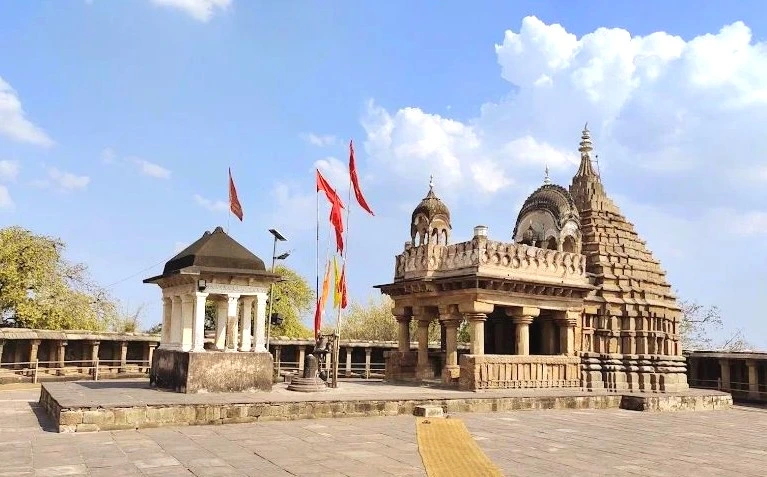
x=215 y=268
x=574 y=300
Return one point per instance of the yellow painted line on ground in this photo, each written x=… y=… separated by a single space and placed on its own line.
x=447 y=449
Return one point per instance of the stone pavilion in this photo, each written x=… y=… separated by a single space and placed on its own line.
x=574 y=300
x=219 y=269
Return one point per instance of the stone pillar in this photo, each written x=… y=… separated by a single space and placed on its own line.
x=422 y=369
x=198 y=323
x=2 y=345
x=301 y=358
x=567 y=334
x=753 y=379
x=368 y=352
x=403 y=334
x=61 y=354
x=176 y=323
x=246 y=323
x=522 y=317
x=123 y=356
x=349 y=361
x=219 y=341
x=231 y=322
x=692 y=371
x=34 y=345
x=187 y=321
x=167 y=308
x=475 y=313
x=477 y=332
x=724 y=366
x=260 y=319
x=277 y=357
x=550 y=342
x=451 y=370
x=149 y=353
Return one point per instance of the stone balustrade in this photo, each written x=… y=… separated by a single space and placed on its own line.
x=494 y=371
x=491 y=258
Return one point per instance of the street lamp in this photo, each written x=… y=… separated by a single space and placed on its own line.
x=277 y=237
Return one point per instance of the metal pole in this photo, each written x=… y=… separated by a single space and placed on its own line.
x=271 y=296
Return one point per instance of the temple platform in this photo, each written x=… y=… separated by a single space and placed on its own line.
x=94 y=406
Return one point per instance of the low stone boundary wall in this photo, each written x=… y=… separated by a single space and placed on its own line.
x=89 y=418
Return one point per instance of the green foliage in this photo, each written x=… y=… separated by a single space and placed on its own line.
x=39 y=289
x=293 y=298
x=373 y=321
x=154 y=330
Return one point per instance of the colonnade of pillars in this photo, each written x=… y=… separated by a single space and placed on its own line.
x=522 y=317
x=183 y=324
x=57 y=350
x=726 y=382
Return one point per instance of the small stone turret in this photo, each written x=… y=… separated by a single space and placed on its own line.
x=430 y=222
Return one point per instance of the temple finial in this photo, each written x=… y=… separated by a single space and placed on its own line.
x=546 y=179
x=431 y=181
x=586 y=169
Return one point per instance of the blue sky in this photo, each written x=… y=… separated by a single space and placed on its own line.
x=118 y=121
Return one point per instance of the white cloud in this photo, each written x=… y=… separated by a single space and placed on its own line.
x=212 y=205
x=749 y=223
x=320 y=140
x=656 y=103
x=151 y=169
x=9 y=170
x=63 y=181
x=201 y=10
x=336 y=173
x=5 y=199
x=13 y=121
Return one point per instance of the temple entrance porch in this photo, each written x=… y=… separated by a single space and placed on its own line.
x=510 y=347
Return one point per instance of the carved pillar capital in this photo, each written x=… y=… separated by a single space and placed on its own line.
x=522 y=320
x=522 y=311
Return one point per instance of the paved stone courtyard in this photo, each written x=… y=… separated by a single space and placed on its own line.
x=713 y=443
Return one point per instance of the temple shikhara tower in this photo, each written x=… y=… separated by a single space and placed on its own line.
x=576 y=299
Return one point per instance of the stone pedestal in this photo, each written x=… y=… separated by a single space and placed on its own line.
x=190 y=372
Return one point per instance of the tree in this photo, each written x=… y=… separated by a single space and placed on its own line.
x=39 y=289
x=374 y=321
x=293 y=298
x=696 y=324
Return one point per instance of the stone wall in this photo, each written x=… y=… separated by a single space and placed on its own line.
x=490 y=371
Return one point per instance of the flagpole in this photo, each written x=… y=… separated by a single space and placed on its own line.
x=337 y=350
x=317 y=261
x=229 y=213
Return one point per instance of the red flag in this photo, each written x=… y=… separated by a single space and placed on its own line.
x=317 y=320
x=355 y=181
x=335 y=209
x=234 y=202
x=330 y=193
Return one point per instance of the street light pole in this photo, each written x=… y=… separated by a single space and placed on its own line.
x=280 y=237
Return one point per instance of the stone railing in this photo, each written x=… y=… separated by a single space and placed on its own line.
x=497 y=371
x=491 y=258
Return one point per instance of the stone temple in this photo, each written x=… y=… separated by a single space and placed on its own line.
x=576 y=299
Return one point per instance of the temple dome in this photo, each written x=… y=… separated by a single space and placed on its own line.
x=547 y=218
x=212 y=251
x=430 y=222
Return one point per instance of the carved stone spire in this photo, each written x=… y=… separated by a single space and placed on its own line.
x=587 y=189
x=546 y=179
x=586 y=168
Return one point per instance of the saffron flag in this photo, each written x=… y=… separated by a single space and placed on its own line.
x=336 y=205
x=234 y=202
x=325 y=286
x=355 y=181
x=337 y=292
x=342 y=287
